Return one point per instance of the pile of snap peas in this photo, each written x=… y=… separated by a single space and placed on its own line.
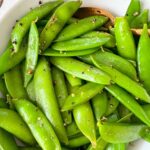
x=68 y=84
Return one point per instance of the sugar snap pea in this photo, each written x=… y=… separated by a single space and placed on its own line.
x=61 y=92
x=117 y=62
x=15 y=125
x=124 y=81
x=82 y=26
x=57 y=22
x=82 y=95
x=86 y=125
x=119 y=146
x=46 y=99
x=32 y=53
x=99 y=105
x=123 y=34
x=14 y=83
x=83 y=71
x=111 y=43
x=143 y=59
x=133 y=10
x=7 y=142
x=38 y=124
x=127 y=100
x=86 y=59
x=51 y=52
x=80 y=44
x=23 y=24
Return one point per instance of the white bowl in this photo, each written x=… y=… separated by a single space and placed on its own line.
x=12 y=10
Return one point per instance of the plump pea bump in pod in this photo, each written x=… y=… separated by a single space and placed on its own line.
x=84 y=123
x=32 y=53
x=143 y=54
x=23 y=25
x=39 y=125
x=80 y=27
x=83 y=71
x=60 y=17
x=46 y=99
x=124 y=39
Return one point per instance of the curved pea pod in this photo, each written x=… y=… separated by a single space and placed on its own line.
x=128 y=101
x=51 y=52
x=133 y=10
x=29 y=148
x=46 y=99
x=32 y=53
x=12 y=60
x=112 y=105
x=140 y=20
x=82 y=26
x=83 y=71
x=61 y=92
x=7 y=142
x=72 y=129
x=74 y=81
x=78 y=141
x=15 y=125
x=79 y=44
x=86 y=59
x=86 y=125
x=143 y=58
x=14 y=83
x=120 y=132
x=119 y=146
x=100 y=145
x=82 y=95
x=111 y=43
x=99 y=105
x=39 y=125
x=23 y=25
x=3 y=89
x=124 y=39
x=57 y=22
x=3 y=103
x=116 y=62
x=124 y=81
x=72 y=20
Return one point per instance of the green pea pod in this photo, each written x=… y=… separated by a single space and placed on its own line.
x=7 y=142
x=101 y=145
x=78 y=141
x=124 y=39
x=46 y=99
x=128 y=101
x=86 y=125
x=143 y=58
x=99 y=104
x=57 y=22
x=124 y=81
x=120 y=132
x=123 y=111
x=114 y=117
x=3 y=103
x=3 y=89
x=72 y=20
x=31 y=91
x=111 y=43
x=38 y=124
x=140 y=20
x=82 y=95
x=8 y=61
x=82 y=26
x=86 y=59
x=133 y=10
x=83 y=71
x=74 y=81
x=15 y=125
x=51 y=52
x=112 y=105
x=72 y=129
x=117 y=62
x=32 y=53
x=23 y=25
x=119 y=146
x=61 y=92
x=29 y=148
x=79 y=44
x=14 y=83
